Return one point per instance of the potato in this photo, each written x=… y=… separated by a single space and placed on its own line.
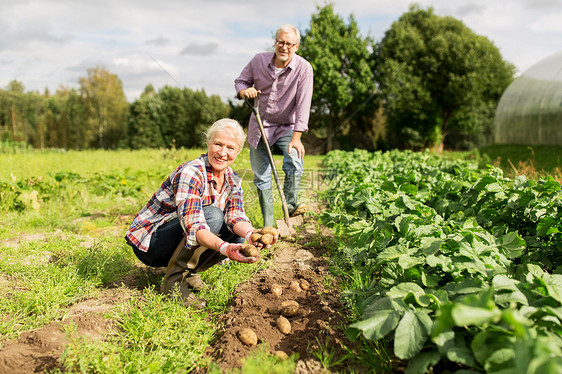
x=283 y=325
x=270 y=230
x=266 y=239
x=289 y=308
x=274 y=309
x=295 y=286
x=249 y=250
x=304 y=284
x=247 y=336
x=281 y=355
x=255 y=237
x=276 y=289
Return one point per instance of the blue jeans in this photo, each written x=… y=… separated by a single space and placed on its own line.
x=167 y=237
x=292 y=167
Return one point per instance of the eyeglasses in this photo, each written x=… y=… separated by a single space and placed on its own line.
x=281 y=44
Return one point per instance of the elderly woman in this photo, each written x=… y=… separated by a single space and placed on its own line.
x=196 y=218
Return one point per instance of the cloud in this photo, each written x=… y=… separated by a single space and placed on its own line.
x=159 y=41
x=542 y=4
x=200 y=49
x=205 y=44
x=470 y=8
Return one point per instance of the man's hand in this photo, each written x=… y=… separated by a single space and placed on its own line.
x=232 y=251
x=249 y=93
x=297 y=144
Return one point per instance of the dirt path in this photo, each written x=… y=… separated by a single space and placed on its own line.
x=315 y=328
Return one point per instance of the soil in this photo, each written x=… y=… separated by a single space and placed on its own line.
x=318 y=325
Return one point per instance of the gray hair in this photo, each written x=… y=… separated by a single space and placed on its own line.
x=289 y=29
x=231 y=127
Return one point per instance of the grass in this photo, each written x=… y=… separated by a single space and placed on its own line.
x=64 y=215
x=546 y=159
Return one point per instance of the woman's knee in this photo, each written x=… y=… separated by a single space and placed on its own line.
x=214 y=217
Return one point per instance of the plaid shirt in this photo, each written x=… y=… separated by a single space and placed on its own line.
x=184 y=194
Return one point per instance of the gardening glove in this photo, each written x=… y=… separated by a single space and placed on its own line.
x=232 y=251
x=256 y=244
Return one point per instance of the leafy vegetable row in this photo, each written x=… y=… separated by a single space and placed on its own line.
x=25 y=194
x=465 y=264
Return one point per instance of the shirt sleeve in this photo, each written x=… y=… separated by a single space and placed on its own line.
x=189 y=187
x=234 y=209
x=246 y=78
x=304 y=98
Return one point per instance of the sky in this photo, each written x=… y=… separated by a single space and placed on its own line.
x=204 y=44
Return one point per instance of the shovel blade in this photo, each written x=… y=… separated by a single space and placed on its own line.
x=288 y=229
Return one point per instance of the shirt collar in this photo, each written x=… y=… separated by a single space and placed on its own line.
x=291 y=63
x=210 y=178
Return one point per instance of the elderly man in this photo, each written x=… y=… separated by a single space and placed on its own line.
x=284 y=81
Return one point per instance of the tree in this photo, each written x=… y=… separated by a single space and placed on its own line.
x=173 y=117
x=107 y=106
x=145 y=121
x=21 y=115
x=344 y=88
x=437 y=77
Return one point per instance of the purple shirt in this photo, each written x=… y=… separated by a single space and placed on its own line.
x=285 y=98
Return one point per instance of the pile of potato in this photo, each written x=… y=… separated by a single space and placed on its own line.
x=285 y=310
x=264 y=236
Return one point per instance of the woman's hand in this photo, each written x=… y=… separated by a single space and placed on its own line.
x=248 y=238
x=257 y=243
x=232 y=251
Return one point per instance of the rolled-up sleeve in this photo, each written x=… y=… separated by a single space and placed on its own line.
x=304 y=98
x=245 y=80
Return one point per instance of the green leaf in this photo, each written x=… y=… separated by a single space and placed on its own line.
x=473 y=248
x=421 y=363
x=411 y=334
x=484 y=183
x=467 y=315
x=385 y=303
x=512 y=245
x=408 y=188
x=486 y=342
x=445 y=262
x=407 y=262
x=545 y=226
x=430 y=280
x=430 y=246
x=507 y=291
x=444 y=320
x=453 y=347
x=403 y=289
x=393 y=252
x=378 y=324
x=465 y=287
x=554 y=286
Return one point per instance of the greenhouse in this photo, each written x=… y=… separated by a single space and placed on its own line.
x=530 y=109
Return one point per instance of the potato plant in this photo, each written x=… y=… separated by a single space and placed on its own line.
x=467 y=264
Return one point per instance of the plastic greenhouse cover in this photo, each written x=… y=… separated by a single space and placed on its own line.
x=530 y=110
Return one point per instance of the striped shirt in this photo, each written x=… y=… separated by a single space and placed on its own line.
x=185 y=192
